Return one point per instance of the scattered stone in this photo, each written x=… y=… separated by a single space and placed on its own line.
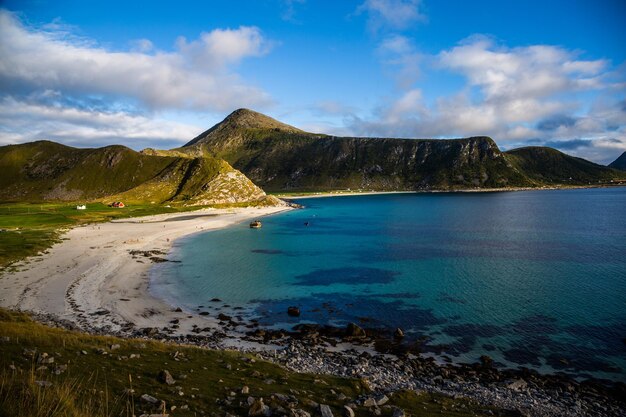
x=298 y=412
x=293 y=311
x=398 y=412
x=245 y=390
x=258 y=408
x=381 y=399
x=166 y=378
x=517 y=385
x=325 y=411
x=348 y=411
x=44 y=384
x=369 y=402
x=59 y=369
x=149 y=399
x=44 y=358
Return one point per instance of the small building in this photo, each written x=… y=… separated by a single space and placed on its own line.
x=81 y=207
x=117 y=204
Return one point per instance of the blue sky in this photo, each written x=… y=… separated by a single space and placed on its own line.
x=158 y=73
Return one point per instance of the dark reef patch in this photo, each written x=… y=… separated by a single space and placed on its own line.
x=347 y=275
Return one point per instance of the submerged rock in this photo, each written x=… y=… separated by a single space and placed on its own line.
x=293 y=311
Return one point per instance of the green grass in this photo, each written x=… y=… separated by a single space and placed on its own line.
x=32 y=228
x=94 y=384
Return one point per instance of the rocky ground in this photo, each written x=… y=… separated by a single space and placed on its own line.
x=350 y=352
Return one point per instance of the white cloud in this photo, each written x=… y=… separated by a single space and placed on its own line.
x=401 y=59
x=392 y=14
x=511 y=94
x=197 y=76
x=523 y=72
x=24 y=121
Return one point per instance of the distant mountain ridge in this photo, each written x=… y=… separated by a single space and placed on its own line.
x=248 y=152
x=279 y=157
x=48 y=171
x=619 y=163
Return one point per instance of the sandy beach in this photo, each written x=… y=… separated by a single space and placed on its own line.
x=97 y=276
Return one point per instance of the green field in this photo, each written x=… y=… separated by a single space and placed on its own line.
x=84 y=381
x=27 y=229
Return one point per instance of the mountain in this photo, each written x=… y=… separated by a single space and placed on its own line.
x=545 y=165
x=619 y=163
x=48 y=171
x=279 y=157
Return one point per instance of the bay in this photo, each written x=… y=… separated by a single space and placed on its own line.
x=534 y=279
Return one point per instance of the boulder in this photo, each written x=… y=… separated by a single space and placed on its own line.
x=347 y=411
x=293 y=311
x=325 y=411
x=354 y=330
x=381 y=399
x=369 y=402
x=166 y=378
x=398 y=334
x=258 y=408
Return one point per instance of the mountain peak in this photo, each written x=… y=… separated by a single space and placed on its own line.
x=246 y=119
x=619 y=163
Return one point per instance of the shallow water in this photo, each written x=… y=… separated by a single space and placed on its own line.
x=534 y=278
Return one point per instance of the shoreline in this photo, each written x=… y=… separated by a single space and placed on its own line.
x=349 y=193
x=97 y=277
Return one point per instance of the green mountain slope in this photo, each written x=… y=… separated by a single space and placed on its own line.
x=549 y=166
x=619 y=163
x=48 y=171
x=279 y=157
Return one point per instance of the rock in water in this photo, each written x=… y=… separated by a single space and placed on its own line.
x=398 y=334
x=293 y=311
x=166 y=378
x=325 y=411
x=354 y=330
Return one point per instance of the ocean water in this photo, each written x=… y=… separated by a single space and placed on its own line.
x=534 y=279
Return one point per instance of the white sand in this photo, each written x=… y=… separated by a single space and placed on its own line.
x=92 y=270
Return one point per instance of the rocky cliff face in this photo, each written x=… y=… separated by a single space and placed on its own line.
x=284 y=158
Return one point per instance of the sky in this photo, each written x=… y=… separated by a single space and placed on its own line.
x=158 y=73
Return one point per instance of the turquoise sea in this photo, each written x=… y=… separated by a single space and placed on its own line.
x=534 y=279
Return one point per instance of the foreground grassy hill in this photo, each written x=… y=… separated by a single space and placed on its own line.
x=52 y=372
x=279 y=157
x=48 y=171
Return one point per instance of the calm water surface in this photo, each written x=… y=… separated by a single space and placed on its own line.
x=534 y=279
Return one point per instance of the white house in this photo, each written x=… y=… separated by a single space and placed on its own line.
x=81 y=207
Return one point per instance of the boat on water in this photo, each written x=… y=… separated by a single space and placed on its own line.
x=255 y=224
